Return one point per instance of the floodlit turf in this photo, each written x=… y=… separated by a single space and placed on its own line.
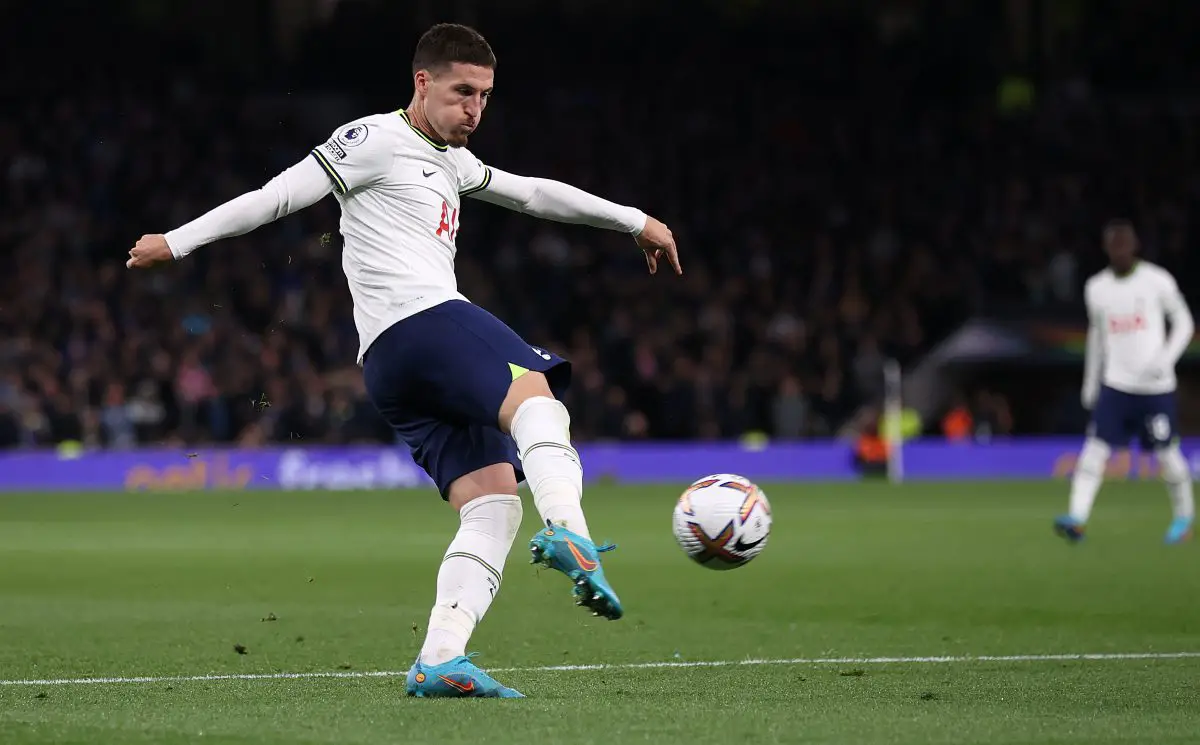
x=168 y=584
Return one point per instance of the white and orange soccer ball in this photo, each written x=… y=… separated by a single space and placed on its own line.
x=722 y=521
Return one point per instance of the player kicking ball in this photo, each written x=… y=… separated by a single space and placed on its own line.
x=1129 y=378
x=478 y=406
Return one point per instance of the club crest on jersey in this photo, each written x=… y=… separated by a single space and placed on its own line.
x=353 y=136
x=335 y=151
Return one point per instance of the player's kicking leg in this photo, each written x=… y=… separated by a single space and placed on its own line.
x=541 y=428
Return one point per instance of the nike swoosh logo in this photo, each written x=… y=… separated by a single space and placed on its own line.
x=427 y=174
x=740 y=546
x=585 y=564
x=467 y=687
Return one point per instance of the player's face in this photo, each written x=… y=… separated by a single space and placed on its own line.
x=1121 y=246
x=455 y=99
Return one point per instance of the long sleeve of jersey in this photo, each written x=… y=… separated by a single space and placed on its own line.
x=298 y=187
x=554 y=200
x=1183 y=327
x=1093 y=360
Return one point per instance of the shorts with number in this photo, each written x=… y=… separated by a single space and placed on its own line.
x=439 y=378
x=1119 y=417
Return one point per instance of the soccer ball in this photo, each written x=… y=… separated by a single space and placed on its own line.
x=722 y=521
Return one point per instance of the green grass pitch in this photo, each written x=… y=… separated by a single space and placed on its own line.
x=165 y=585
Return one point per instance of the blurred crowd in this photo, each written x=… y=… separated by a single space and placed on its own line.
x=837 y=202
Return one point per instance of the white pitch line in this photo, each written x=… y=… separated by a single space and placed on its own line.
x=630 y=666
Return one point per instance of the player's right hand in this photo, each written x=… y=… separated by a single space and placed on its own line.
x=148 y=251
x=655 y=240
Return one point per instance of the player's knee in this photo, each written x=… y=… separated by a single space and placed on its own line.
x=1094 y=457
x=539 y=420
x=528 y=386
x=494 y=510
x=1172 y=465
x=495 y=480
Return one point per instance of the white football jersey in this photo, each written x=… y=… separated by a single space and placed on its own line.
x=400 y=194
x=1130 y=313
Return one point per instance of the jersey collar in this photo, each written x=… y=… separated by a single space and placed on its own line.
x=404 y=115
x=1132 y=270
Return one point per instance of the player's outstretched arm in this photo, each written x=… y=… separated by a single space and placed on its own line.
x=296 y=188
x=554 y=200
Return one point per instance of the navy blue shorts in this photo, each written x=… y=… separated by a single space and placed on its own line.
x=439 y=378
x=1118 y=417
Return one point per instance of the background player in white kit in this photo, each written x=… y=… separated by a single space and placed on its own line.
x=476 y=404
x=1129 y=378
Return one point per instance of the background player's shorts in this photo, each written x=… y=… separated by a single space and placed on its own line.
x=1119 y=417
x=439 y=378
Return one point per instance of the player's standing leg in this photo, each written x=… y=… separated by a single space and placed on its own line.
x=1159 y=436
x=469 y=465
x=467 y=582
x=1178 y=477
x=541 y=427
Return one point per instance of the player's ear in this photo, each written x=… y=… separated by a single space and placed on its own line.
x=421 y=79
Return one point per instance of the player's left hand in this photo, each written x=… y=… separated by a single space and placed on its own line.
x=655 y=240
x=148 y=251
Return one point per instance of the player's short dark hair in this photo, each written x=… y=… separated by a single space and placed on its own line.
x=447 y=43
x=1118 y=223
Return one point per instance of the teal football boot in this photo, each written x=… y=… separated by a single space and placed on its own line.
x=579 y=559
x=457 y=678
x=1070 y=528
x=1180 y=530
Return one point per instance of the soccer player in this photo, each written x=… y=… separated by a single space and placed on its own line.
x=1129 y=378
x=478 y=407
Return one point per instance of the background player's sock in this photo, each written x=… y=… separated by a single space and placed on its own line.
x=1089 y=475
x=541 y=428
x=1178 y=478
x=470 y=574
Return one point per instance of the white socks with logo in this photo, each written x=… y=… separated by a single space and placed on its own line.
x=470 y=574
x=542 y=430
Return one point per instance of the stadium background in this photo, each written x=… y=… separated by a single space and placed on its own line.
x=848 y=182
x=183 y=558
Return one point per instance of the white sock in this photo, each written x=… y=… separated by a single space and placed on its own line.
x=1089 y=475
x=470 y=574
x=542 y=430
x=1178 y=478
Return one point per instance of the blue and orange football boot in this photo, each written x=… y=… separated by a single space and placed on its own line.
x=1069 y=528
x=579 y=559
x=1180 y=530
x=457 y=678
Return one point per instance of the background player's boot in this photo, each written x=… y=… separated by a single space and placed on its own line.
x=1069 y=528
x=1180 y=530
x=579 y=559
x=457 y=678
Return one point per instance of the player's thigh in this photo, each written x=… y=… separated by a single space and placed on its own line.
x=1157 y=420
x=526 y=386
x=498 y=478
x=1114 y=418
x=464 y=461
x=475 y=358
